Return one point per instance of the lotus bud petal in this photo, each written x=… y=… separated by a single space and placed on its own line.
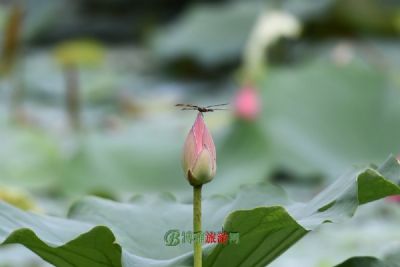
x=199 y=155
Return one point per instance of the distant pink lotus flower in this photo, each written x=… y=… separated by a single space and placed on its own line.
x=247 y=103
x=394 y=198
x=199 y=155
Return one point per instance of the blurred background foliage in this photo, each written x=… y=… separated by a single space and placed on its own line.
x=88 y=88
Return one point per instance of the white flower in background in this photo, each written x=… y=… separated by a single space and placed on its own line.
x=269 y=28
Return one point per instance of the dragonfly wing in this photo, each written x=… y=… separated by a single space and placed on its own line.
x=217 y=105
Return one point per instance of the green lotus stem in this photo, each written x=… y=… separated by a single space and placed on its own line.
x=72 y=96
x=197 y=244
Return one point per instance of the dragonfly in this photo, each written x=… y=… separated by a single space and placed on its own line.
x=210 y=108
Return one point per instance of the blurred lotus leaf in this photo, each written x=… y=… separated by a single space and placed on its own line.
x=79 y=52
x=209 y=33
x=321 y=116
x=17 y=198
x=28 y=159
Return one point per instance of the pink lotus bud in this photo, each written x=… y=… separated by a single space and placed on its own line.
x=394 y=198
x=247 y=103
x=199 y=155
